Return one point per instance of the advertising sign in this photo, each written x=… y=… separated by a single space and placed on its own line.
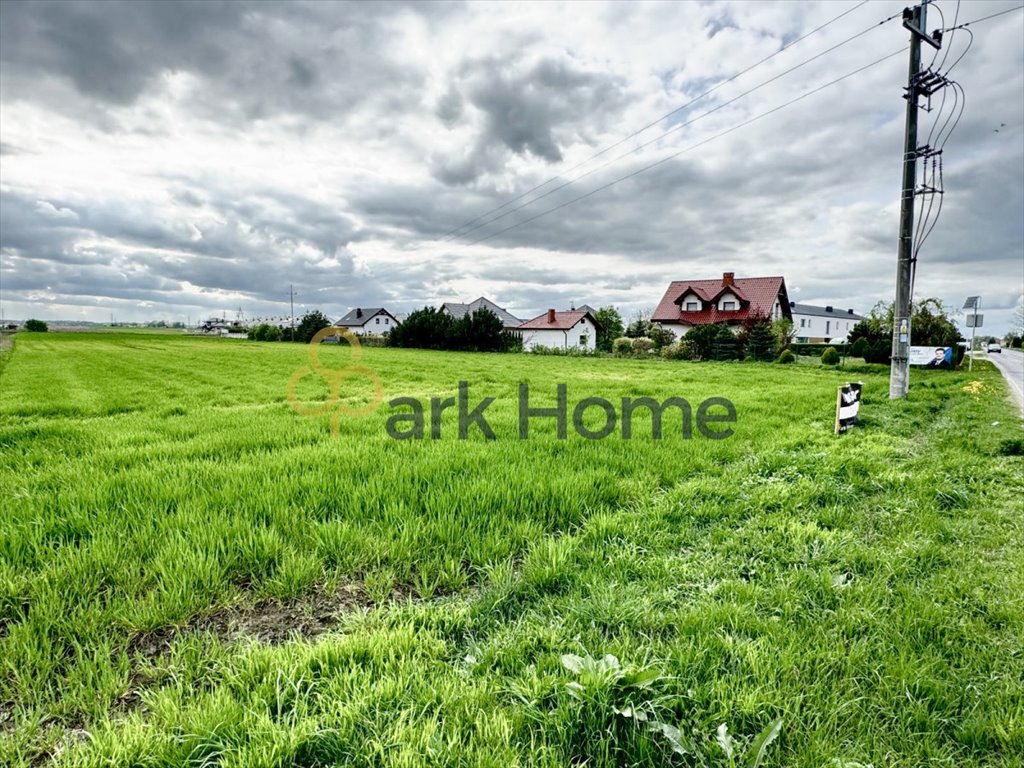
x=932 y=357
x=847 y=406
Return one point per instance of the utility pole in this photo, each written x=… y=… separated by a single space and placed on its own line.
x=291 y=296
x=899 y=374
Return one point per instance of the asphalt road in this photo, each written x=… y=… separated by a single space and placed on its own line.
x=1011 y=363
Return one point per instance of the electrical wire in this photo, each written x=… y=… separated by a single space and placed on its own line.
x=984 y=18
x=670 y=131
x=456 y=232
x=674 y=155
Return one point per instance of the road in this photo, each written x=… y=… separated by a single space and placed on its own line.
x=1011 y=363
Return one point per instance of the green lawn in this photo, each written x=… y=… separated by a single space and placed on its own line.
x=193 y=574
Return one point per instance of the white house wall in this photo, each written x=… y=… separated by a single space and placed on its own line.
x=811 y=327
x=562 y=339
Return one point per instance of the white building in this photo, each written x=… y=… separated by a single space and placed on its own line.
x=368 y=321
x=822 y=325
x=560 y=330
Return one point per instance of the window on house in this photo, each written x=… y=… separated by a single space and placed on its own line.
x=803 y=322
x=378 y=320
x=692 y=306
x=386 y=321
x=728 y=305
x=828 y=324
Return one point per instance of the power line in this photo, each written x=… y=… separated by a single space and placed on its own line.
x=674 y=155
x=984 y=18
x=674 y=129
x=452 y=234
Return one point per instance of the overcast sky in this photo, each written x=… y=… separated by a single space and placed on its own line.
x=171 y=160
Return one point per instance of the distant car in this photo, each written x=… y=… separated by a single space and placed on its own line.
x=994 y=348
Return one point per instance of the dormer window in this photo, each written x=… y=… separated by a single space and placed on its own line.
x=728 y=306
x=692 y=306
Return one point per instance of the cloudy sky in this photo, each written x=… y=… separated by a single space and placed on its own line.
x=170 y=160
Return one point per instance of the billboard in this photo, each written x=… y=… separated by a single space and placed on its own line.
x=932 y=357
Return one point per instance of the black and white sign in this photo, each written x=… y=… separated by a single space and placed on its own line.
x=847 y=406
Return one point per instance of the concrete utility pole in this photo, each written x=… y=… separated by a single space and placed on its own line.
x=291 y=296
x=899 y=374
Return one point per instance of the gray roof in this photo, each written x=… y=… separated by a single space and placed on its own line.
x=359 y=316
x=461 y=310
x=810 y=309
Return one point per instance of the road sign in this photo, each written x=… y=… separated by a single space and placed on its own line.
x=975 y=321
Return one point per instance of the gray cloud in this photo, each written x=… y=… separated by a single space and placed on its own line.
x=177 y=154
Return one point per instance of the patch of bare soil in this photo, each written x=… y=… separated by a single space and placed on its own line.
x=269 y=621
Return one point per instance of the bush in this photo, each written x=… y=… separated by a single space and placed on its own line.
x=859 y=348
x=36 y=326
x=700 y=341
x=273 y=333
x=786 y=357
x=830 y=356
x=622 y=346
x=642 y=345
x=540 y=349
x=675 y=351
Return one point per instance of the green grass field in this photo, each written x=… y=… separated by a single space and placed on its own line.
x=193 y=574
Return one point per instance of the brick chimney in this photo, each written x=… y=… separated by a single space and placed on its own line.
x=551 y=316
x=727 y=278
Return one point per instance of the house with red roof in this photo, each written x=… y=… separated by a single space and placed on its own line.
x=729 y=300
x=576 y=329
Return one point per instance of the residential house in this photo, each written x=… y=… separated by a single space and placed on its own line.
x=729 y=300
x=560 y=330
x=822 y=325
x=368 y=321
x=458 y=311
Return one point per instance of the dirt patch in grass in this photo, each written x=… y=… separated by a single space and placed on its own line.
x=268 y=621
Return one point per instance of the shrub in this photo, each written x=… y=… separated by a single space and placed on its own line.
x=830 y=356
x=642 y=345
x=36 y=326
x=622 y=346
x=786 y=357
x=675 y=351
x=273 y=333
x=859 y=348
x=700 y=342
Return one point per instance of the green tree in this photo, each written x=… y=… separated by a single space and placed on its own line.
x=481 y=331
x=784 y=333
x=311 y=323
x=726 y=346
x=36 y=326
x=610 y=327
x=426 y=328
x=699 y=341
x=761 y=342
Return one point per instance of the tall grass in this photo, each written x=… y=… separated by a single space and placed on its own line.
x=158 y=491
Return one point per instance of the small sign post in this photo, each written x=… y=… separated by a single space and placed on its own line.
x=847 y=406
x=974 y=320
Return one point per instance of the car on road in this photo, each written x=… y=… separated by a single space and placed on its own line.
x=994 y=348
